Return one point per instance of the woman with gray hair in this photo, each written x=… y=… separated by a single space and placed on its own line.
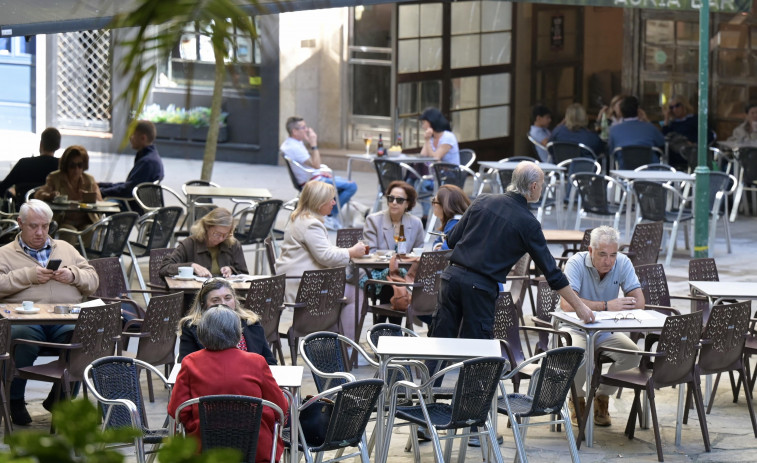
x=221 y=368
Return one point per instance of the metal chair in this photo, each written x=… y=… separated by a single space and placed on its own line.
x=156 y=261
x=291 y=165
x=476 y=385
x=319 y=302
x=747 y=175
x=565 y=150
x=108 y=236
x=546 y=395
x=233 y=421
x=202 y=205
x=114 y=383
x=113 y=287
x=8 y=230
x=653 y=200
x=265 y=297
x=446 y=173
x=157 y=333
x=388 y=171
x=324 y=353
x=644 y=247
x=674 y=365
x=255 y=223
x=154 y=230
x=596 y=195
x=631 y=157
x=354 y=403
x=540 y=151
x=467 y=157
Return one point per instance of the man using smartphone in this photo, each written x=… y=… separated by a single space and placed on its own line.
x=25 y=276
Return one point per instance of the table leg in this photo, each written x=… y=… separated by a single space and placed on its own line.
x=349 y=168
x=679 y=415
x=358 y=310
x=379 y=429
x=590 y=337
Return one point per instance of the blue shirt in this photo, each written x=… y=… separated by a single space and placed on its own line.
x=539 y=134
x=447 y=228
x=633 y=132
x=585 y=281
x=40 y=255
x=448 y=138
x=582 y=135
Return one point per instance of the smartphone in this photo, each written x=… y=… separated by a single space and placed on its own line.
x=53 y=264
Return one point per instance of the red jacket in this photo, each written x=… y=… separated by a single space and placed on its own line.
x=229 y=371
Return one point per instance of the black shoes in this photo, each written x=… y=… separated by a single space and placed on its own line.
x=19 y=414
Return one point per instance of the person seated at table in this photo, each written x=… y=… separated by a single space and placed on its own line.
x=211 y=249
x=541 y=117
x=24 y=277
x=72 y=181
x=214 y=292
x=450 y=204
x=596 y=276
x=633 y=131
x=680 y=127
x=31 y=172
x=574 y=129
x=306 y=246
x=747 y=130
x=294 y=148
x=439 y=143
x=223 y=368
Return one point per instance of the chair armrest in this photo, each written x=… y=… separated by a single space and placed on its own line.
x=539 y=323
x=662 y=309
x=295 y=305
x=549 y=330
x=406 y=284
x=617 y=350
x=134 y=334
x=130 y=323
x=688 y=297
x=52 y=345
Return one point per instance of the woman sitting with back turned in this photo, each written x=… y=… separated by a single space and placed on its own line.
x=306 y=246
x=574 y=130
x=211 y=249
x=219 y=291
x=221 y=368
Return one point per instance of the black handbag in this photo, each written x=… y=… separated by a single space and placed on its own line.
x=314 y=421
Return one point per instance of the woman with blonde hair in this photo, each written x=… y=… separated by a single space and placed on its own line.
x=217 y=291
x=211 y=249
x=573 y=129
x=306 y=246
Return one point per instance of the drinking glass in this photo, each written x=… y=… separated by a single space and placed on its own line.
x=367 y=140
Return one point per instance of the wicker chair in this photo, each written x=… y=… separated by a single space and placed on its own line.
x=325 y=353
x=233 y=421
x=266 y=298
x=108 y=237
x=388 y=171
x=631 y=157
x=156 y=261
x=467 y=157
x=674 y=364
x=154 y=230
x=596 y=195
x=254 y=224
x=157 y=333
x=476 y=386
x=113 y=288
x=645 y=243
x=5 y=365
x=652 y=199
x=318 y=304
x=564 y=150
x=557 y=369
x=348 y=237
x=114 y=383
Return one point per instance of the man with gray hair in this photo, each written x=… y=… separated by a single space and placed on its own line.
x=24 y=276
x=596 y=276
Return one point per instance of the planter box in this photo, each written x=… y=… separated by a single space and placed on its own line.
x=188 y=132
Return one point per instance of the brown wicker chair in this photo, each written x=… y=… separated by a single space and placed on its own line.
x=347 y=237
x=113 y=287
x=266 y=298
x=645 y=243
x=157 y=334
x=704 y=269
x=156 y=261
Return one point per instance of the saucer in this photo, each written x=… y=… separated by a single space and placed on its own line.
x=22 y=310
x=177 y=277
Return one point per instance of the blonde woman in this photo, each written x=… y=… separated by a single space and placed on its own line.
x=306 y=246
x=211 y=249
x=217 y=291
x=574 y=129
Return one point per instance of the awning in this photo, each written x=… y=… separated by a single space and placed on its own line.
x=32 y=17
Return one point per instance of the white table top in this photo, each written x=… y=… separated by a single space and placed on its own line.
x=511 y=165
x=729 y=289
x=285 y=375
x=735 y=145
x=224 y=192
x=392 y=157
x=653 y=175
x=437 y=348
x=644 y=320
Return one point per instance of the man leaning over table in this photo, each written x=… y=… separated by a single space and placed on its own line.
x=23 y=277
x=596 y=276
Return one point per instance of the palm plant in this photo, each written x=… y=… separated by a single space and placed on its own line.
x=223 y=21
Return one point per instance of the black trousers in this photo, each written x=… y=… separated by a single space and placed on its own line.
x=465 y=305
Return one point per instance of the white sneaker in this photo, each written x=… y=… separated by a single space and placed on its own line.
x=332 y=223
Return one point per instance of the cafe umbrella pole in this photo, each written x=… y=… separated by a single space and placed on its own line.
x=702 y=171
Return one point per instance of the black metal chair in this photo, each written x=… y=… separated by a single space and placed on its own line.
x=388 y=171
x=446 y=173
x=653 y=199
x=254 y=224
x=564 y=150
x=467 y=157
x=108 y=237
x=291 y=165
x=596 y=195
x=546 y=396
x=233 y=421
x=154 y=230
x=265 y=297
x=631 y=157
x=114 y=383
x=324 y=353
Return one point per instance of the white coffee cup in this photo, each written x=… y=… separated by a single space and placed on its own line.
x=186 y=272
x=418 y=251
x=28 y=305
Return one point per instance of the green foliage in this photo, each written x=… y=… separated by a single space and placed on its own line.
x=198 y=116
x=184 y=450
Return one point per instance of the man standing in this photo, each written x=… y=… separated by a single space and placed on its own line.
x=632 y=131
x=148 y=167
x=596 y=276
x=24 y=277
x=32 y=172
x=294 y=149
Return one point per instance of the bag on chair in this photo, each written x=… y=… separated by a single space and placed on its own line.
x=314 y=421
x=400 y=301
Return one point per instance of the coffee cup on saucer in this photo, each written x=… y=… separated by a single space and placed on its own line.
x=60 y=199
x=28 y=305
x=186 y=272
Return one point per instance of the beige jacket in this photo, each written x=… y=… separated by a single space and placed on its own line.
x=18 y=278
x=306 y=246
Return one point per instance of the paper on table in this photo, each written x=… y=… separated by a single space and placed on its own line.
x=638 y=314
x=242 y=277
x=92 y=303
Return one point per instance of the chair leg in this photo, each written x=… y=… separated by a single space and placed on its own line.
x=655 y=423
x=293 y=350
x=150 y=392
x=748 y=395
x=6 y=413
x=520 y=449
x=569 y=434
x=700 y=412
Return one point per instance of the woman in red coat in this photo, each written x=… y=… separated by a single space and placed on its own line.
x=222 y=368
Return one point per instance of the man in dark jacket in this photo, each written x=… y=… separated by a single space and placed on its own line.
x=32 y=172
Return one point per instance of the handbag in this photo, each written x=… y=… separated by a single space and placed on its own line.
x=400 y=301
x=314 y=421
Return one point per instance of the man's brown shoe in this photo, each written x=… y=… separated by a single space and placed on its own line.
x=581 y=408
x=601 y=412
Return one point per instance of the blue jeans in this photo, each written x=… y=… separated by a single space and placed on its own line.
x=345 y=190
x=25 y=355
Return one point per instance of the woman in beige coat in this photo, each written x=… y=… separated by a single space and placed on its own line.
x=306 y=246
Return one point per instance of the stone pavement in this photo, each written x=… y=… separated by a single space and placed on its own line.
x=730 y=431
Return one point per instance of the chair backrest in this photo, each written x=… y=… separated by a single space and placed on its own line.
x=703 y=269
x=161 y=319
x=111 y=276
x=348 y=237
x=386 y=329
x=557 y=370
x=258 y=227
x=322 y=292
x=324 y=351
x=353 y=406
x=270 y=253
x=387 y=172
x=156 y=261
x=748 y=162
x=201 y=199
x=8 y=230
x=229 y=421
x=149 y=196
x=678 y=340
x=97 y=329
x=657 y=167
x=578 y=165
x=430 y=268
x=725 y=334
x=477 y=382
x=467 y=157
x=645 y=243
x=720 y=183
x=161 y=228
x=691 y=154
x=292 y=177
x=266 y=298
x=654 y=284
x=446 y=173
x=652 y=198
x=116 y=378
x=110 y=240
x=519 y=286
x=506 y=326
x=594 y=191
x=635 y=156
x=564 y=150
x=586 y=241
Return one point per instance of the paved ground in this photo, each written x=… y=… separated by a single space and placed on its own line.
x=731 y=435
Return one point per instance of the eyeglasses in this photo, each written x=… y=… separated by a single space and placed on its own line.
x=676 y=105
x=435 y=201
x=218 y=235
x=626 y=316
x=395 y=199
